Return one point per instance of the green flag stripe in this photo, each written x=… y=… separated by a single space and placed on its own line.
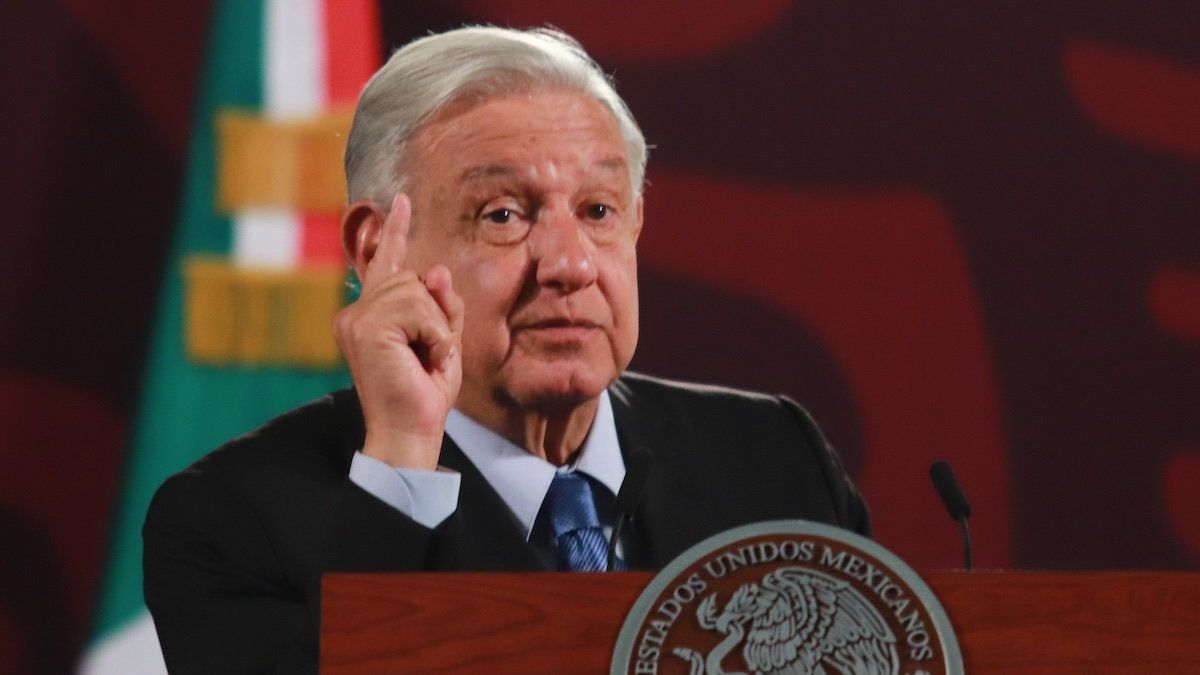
x=186 y=410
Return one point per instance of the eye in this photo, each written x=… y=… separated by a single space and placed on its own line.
x=597 y=211
x=503 y=222
x=499 y=216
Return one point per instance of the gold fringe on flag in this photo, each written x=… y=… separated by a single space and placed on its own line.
x=261 y=316
x=288 y=164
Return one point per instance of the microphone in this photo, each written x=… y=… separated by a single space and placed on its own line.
x=956 y=502
x=628 y=498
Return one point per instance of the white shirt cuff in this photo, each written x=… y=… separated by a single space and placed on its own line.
x=428 y=497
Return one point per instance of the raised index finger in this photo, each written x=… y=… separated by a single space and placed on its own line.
x=393 y=243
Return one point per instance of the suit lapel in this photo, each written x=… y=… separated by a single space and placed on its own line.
x=492 y=538
x=669 y=517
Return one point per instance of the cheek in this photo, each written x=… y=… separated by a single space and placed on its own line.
x=619 y=278
x=619 y=273
x=489 y=286
x=488 y=277
x=623 y=301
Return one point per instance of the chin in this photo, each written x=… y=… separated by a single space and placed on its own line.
x=555 y=385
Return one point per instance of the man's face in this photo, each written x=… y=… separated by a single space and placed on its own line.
x=526 y=198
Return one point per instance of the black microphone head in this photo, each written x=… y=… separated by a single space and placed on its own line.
x=948 y=489
x=637 y=470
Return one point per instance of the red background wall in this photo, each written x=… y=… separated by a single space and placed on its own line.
x=962 y=230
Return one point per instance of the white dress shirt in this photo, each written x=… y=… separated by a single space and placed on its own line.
x=521 y=479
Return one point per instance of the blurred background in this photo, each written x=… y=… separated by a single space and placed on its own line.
x=951 y=230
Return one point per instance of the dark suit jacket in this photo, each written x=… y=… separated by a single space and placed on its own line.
x=236 y=544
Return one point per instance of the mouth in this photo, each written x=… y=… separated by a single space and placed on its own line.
x=559 y=329
x=559 y=323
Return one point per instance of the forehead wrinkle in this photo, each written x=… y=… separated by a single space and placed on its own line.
x=485 y=172
x=463 y=136
x=613 y=163
x=488 y=171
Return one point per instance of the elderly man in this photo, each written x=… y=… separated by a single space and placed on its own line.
x=495 y=180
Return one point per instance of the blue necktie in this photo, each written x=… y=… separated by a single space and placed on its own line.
x=580 y=543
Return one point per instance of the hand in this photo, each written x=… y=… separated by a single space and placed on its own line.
x=402 y=339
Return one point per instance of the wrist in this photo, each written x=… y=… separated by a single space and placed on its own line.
x=404 y=450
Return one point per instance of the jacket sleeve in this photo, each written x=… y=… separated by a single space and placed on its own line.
x=848 y=504
x=221 y=600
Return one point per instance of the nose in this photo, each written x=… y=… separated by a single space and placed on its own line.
x=562 y=254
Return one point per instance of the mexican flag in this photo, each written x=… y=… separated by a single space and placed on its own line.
x=254 y=274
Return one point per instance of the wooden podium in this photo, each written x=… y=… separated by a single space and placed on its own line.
x=1006 y=622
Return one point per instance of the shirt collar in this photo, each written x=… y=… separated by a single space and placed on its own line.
x=522 y=479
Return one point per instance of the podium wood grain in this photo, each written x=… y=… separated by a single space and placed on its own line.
x=1007 y=622
x=1074 y=622
x=553 y=622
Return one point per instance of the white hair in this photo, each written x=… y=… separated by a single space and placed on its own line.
x=423 y=77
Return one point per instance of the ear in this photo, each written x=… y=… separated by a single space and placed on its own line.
x=362 y=225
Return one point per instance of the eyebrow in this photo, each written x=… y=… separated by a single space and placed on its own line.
x=611 y=163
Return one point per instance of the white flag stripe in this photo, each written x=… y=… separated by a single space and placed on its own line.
x=266 y=238
x=294 y=87
x=294 y=72
x=131 y=650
